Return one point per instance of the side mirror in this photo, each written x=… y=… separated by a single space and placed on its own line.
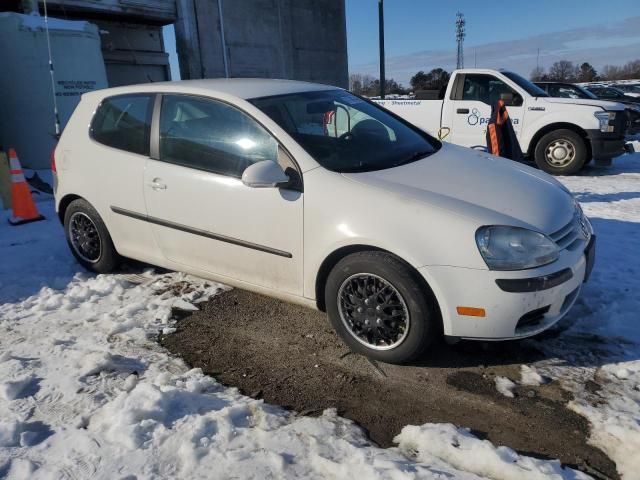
x=264 y=174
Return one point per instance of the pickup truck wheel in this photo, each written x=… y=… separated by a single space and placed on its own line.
x=379 y=308
x=88 y=238
x=561 y=152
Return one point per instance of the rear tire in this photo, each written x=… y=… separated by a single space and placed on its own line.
x=89 y=239
x=561 y=152
x=379 y=307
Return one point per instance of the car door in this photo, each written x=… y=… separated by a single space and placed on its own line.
x=472 y=101
x=120 y=131
x=203 y=216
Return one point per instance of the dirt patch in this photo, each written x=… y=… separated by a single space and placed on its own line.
x=290 y=356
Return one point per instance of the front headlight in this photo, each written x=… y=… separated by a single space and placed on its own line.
x=603 y=119
x=514 y=248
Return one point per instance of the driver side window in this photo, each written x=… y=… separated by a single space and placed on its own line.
x=488 y=89
x=210 y=135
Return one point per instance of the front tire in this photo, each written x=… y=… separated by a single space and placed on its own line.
x=378 y=306
x=561 y=152
x=89 y=239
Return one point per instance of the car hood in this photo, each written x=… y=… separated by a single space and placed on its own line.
x=630 y=101
x=584 y=101
x=480 y=186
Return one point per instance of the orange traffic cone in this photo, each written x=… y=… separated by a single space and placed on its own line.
x=24 y=208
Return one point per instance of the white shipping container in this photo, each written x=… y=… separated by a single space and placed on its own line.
x=27 y=121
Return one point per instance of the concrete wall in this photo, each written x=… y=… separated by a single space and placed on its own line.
x=294 y=39
x=155 y=12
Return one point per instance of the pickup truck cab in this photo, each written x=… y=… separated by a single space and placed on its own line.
x=560 y=134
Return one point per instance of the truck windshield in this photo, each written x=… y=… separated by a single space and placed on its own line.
x=345 y=133
x=525 y=84
x=581 y=92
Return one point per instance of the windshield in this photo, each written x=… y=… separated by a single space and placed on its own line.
x=628 y=88
x=566 y=90
x=585 y=92
x=525 y=84
x=345 y=133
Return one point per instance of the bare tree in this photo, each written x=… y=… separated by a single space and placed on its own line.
x=434 y=80
x=611 y=72
x=631 y=70
x=538 y=74
x=368 y=86
x=563 y=71
x=360 y=84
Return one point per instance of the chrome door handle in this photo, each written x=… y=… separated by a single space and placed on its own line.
x=157 y=185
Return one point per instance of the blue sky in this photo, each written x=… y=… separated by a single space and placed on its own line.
x=419 y=34
x=415 y=25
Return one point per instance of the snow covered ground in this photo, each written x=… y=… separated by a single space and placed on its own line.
x=86 y=392
x=598 y=357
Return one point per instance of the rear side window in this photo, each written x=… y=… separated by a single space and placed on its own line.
x=210 y=135
x=124 y=123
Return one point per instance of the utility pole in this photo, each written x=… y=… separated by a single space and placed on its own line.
x=460 y=34
x=381 y=37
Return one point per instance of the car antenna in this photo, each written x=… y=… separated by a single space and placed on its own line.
x=52 y=73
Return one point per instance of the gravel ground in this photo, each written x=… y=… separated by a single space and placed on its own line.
x=289 y=356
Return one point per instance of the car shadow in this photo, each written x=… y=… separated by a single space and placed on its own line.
x=588 y=197
x=36 y=256
x=627 y=163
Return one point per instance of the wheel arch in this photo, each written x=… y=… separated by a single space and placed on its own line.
x=334 y=257
x=64 y=204
x=559 y=126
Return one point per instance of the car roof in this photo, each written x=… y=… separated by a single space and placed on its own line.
x=549 y=82
x=244 y=88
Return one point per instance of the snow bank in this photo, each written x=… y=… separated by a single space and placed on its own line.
x=615 y=415
x=458 y=447
x=530 y=376
x=505 y=386
x=602 y=346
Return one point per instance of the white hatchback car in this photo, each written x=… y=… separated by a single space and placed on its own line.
x=310 y=194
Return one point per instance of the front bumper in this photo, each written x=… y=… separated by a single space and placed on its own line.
x=509 y=315
x=605 y=146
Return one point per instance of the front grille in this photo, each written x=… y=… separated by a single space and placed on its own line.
x=571 y=235
x=620 y=123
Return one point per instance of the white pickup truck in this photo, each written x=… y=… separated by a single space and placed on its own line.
x=560 y=134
